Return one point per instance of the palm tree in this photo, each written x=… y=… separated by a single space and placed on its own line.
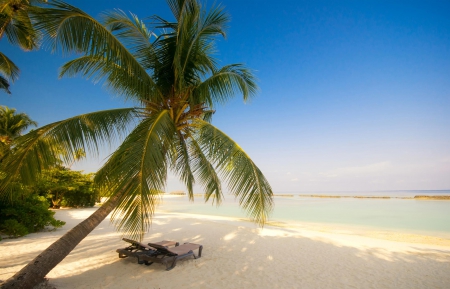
x=16 y=24
x=12 y=125
x=79 y=155
x=176 y=84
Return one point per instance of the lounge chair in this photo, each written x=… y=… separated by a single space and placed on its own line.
x=170 y=256
x=137 y=249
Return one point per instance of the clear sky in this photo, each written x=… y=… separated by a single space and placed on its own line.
x=354 y=95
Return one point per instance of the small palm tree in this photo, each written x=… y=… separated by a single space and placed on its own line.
x=176 y=84
x=12 y=125
x=16 y=24
x=78 y=155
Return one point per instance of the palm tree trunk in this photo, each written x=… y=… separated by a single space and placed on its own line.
x=35 y=272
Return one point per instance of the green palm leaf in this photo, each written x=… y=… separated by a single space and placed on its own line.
x=132 y=32
x=205 y=173
x=198 y=40
x=38 y=149
x=181 y=161
x=4 y=84
x=8 y=69
x=244 y=178
x=225 y=83
x=98 y=68
x=16 y=23
x=72 y=30
x=137 y=171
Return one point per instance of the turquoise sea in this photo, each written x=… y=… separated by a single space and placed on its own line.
x=393 y=214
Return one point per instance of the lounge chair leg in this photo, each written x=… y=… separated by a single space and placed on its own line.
x=147 y=263
x=173 y=265
x=122 y=256
x=200 y=251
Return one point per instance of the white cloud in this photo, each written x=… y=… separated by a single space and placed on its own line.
x=358 y=170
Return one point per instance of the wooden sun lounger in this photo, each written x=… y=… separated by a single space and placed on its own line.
x=137 y=249
x=170 y=256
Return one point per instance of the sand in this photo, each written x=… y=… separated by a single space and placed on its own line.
x=237 y=254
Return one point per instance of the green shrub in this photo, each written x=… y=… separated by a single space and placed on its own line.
x=83 y=197
x=31 y=213
x=14 y=229
x=64 y=187
x=57 y=223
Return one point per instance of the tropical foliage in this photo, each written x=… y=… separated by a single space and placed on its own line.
x=9 y=72
x=16 y=24
x=27 y=214
x=64 y=187
x=175 y=80
x=12 y=125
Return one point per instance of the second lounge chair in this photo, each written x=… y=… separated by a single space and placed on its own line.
x=137 y=249
x=170 y=256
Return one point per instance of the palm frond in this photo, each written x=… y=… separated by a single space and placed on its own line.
x=176 y=6
x=69 y=29
x=133 y=215
x=198 y=43
x=205 y=173
x=137 y=171
x=225 y=83
x=244 y=179
x=133 y=33
x=38 y=149
x=4 y=84
x=187 y=47
x=8 y=69
x=16 y=24
x=117 y=78
x=181 y=164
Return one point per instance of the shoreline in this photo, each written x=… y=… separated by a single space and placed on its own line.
x=415 y=197
x=421 y=217
x=238 y=254
x=403 y=236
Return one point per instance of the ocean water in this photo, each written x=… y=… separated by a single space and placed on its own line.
x=395 y=214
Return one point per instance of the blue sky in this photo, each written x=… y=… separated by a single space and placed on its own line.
x=354 y=95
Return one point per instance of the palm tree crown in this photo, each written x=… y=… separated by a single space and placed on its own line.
x=12 y=124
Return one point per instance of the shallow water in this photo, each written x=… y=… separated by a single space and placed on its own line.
x=405 y=215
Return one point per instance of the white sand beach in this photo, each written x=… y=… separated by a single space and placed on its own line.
x=237 y=254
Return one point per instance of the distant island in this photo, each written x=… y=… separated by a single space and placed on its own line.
x=417 y=197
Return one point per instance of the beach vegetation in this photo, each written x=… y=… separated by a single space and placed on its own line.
x=64 y=187
x=26 y=214
x=167 y=69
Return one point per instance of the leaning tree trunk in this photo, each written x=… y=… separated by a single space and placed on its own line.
x=35 y=272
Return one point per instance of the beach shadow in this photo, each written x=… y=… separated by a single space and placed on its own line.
x=239 y=255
